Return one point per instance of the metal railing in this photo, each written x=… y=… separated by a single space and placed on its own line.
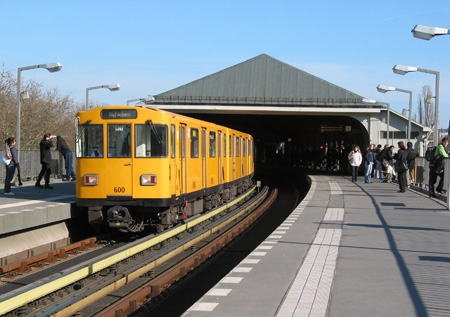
x=30 y=165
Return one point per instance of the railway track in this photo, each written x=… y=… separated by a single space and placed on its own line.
x=175 y=252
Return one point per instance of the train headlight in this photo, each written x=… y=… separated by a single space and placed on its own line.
x=90 y=180
x=148 y=180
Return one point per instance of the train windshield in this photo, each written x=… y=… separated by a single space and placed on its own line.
x=90 y=141
x=119 y=140
x=151 y=140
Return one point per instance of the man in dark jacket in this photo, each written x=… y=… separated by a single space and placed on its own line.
x=368 y=161
x=380 y=160
x=65 y=151
x=377 y=152
x=411 y=160
x=46 y=159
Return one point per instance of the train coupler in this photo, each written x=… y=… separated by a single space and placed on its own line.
x=119 y=217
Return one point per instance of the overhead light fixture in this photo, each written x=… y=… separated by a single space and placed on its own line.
x=428 y=32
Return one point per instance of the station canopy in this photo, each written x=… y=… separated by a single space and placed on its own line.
x=262 y=81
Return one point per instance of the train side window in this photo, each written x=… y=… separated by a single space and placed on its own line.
x=224 y=145
x=90 y=141
x=237 y=147
x=230 y=153
x=194 y=143
x=212 y=144
x=183 y=141
x=151 y=140
x=172 y=140
x=244 y=147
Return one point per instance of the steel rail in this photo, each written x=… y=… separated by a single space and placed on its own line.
x=131 y=302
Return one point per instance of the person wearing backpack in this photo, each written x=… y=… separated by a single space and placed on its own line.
x=437 y=169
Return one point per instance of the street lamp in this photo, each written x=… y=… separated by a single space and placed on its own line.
x=428 y=32
x=149 y=99
x=388 y=124
x=402 y=70
x=384 y=89
x=51 y=67
x=114 y=87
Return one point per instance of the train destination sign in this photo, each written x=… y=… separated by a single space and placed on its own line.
x=119 y=114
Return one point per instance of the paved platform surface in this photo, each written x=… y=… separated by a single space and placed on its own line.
x=348 y=249
x=32 y=207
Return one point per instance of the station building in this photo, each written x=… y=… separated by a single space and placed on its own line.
x=288 y=110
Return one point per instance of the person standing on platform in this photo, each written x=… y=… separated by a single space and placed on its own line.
x=368 y=159
x=355 y=159
x=11 y=153
x=378 y=163
x=401 y=156
x=65 y=151
x=46 y=159
x=411 y=159
x=380 y=160
x=437 y=169
x=389 y=155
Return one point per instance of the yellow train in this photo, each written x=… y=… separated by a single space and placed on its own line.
x=141 y=167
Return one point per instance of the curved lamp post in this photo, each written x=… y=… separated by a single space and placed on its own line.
x=114 y=87
x=384 y=89
x=51 y=67
x=388 y=123
x=145 y=100
x=428 y=32
x=402 y=70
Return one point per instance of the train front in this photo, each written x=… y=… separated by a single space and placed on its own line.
x=122 y=168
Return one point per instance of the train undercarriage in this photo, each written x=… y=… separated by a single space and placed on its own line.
x=134 y=217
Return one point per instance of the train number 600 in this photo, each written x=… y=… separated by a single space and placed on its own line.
x=119 y=189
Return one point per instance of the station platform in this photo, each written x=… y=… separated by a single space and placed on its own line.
x=348 y=249
x=32 y=207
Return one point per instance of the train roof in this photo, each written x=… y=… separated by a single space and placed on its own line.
x=146 y=107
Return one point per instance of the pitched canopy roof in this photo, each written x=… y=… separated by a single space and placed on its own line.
x=262 y=80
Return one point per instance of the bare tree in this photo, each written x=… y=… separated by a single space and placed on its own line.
x=425 y=108
x=46 y=111
x=7 y=105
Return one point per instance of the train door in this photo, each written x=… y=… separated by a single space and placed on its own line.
x=244 y=157
x=173 y=173
x=219 y=154
x=204 y=159
x=238 y=158
x=183 y=159
x=233 y=156
x=120 y=164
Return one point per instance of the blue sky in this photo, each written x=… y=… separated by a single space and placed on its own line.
x=149 y=47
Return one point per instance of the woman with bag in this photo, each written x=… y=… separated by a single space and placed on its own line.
x=355 y=160
x=11 y=154
x=401 y=166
